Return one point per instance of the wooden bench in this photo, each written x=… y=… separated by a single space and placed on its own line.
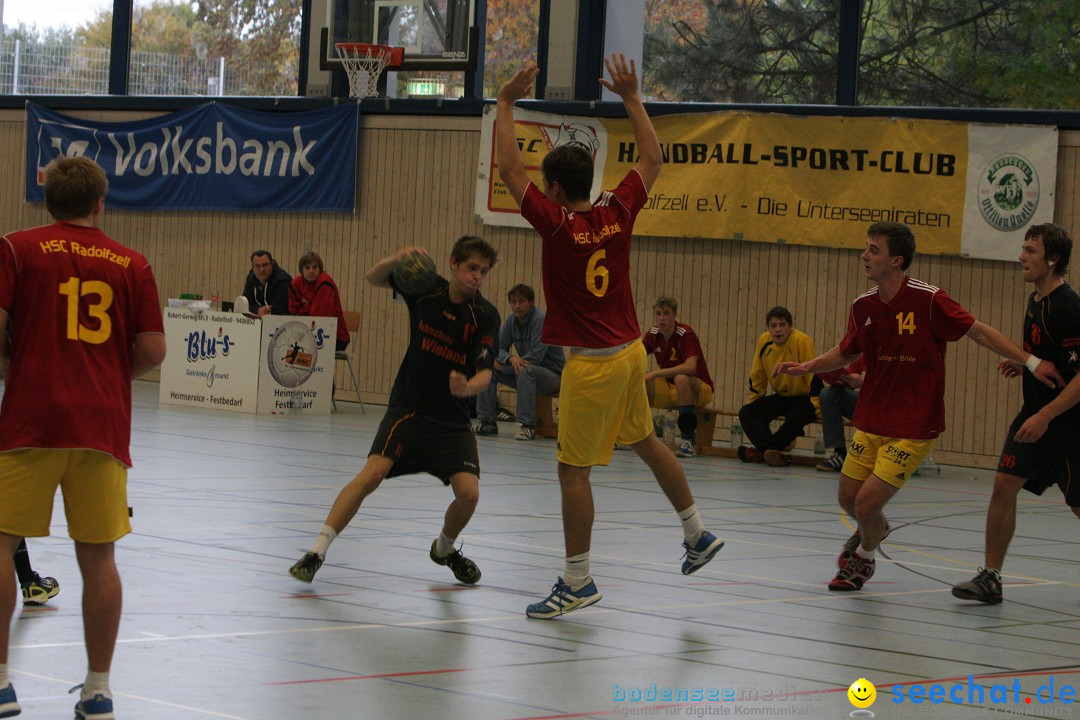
x=546 y=423
x=707 y=421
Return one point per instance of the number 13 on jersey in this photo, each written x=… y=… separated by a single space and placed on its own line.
x=75 y=291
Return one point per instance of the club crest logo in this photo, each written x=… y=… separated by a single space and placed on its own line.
x=1008 y=193
x=292 y=354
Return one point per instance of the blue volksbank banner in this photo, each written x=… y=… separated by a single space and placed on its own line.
x=210 y=157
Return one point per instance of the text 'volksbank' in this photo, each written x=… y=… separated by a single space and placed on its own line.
x=220 y=154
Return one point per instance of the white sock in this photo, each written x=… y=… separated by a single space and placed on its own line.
x=4 y=682
x=691 y=525
x=576 y=572
x=444 y=545
x=322 y=542
x=993 y=570
x=866 y=554
x=96 y=684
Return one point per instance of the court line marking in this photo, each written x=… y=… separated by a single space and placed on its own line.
x=129 y=696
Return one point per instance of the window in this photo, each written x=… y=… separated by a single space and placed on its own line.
x=55 y=47
x=215 y=47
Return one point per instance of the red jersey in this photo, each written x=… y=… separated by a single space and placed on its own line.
x=76 y=299
x=320 y=299
x=683 y=344
x=586 y=265
x=903 y=343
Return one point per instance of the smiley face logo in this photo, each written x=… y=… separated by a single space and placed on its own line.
x=862 y=693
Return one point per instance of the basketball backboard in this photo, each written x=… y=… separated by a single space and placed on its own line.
x=436 y=34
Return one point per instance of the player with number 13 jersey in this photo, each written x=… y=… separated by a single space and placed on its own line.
x=72 y=330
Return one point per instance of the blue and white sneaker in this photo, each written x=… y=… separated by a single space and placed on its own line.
x=703 y=551
x=563 y=600
x=9 y=706
x=98 y=707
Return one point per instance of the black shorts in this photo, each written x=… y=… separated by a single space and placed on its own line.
x=1053 y=460
x=420 y=445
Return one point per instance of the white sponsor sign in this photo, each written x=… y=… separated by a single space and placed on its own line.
x=213 y=360
x=296 y=364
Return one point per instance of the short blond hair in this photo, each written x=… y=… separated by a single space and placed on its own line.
x=73 y=185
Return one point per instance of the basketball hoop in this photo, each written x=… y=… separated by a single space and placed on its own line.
x=364 y=63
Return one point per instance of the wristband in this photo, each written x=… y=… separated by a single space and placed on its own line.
x=1032 y=362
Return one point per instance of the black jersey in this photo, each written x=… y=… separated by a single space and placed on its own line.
x=443 y=336
x=1052 y=332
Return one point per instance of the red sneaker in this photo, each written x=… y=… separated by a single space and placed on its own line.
x=855 y=572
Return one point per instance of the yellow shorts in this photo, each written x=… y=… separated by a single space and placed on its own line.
x=602 y=399
x=894 y=460
x=665 y=394
x=94 y=485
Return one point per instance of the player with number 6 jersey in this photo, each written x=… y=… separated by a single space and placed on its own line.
x=586 y=272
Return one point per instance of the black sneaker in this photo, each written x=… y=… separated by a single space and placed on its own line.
x=984 y=587
x=777 y=458
x=39 y=590
x=833 y=464
x=505 y=415
x=464 y=569
x=486 y=428
x=306 y=567
x=750 y=454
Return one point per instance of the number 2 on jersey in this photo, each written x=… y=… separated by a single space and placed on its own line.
x=99 y=310
x=905 y=321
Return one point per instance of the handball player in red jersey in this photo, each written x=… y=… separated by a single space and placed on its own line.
x=900 y=328
x=586 y=273
x=85 y=320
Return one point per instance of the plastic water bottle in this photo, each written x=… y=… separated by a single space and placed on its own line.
x=737 y=436
x=928 y=467
x=296 y=403
x=669 y=430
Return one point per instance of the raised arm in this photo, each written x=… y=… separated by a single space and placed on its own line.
x=511 y=165
x=379 y=273
x=624 y=83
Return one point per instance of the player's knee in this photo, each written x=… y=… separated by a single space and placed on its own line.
x=687 y=422
x=467 y=494
x=681 y=382
x=1006 y=486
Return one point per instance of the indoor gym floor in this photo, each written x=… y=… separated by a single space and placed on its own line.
x=214 y=627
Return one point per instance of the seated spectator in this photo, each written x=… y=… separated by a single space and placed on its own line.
x=536 y=369
x=267 y=286
x=314 y=293
x=682 y=380
x=838 y=399
x=793 y=398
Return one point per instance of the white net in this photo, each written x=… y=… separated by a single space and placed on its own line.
x=363 y=64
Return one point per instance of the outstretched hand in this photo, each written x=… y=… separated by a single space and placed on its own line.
x=790 y=368
x=1009 y=368
x=624 y=80
x=520 y=86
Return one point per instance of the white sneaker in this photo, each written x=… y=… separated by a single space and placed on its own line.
x=685 y=449
x=526 y=433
